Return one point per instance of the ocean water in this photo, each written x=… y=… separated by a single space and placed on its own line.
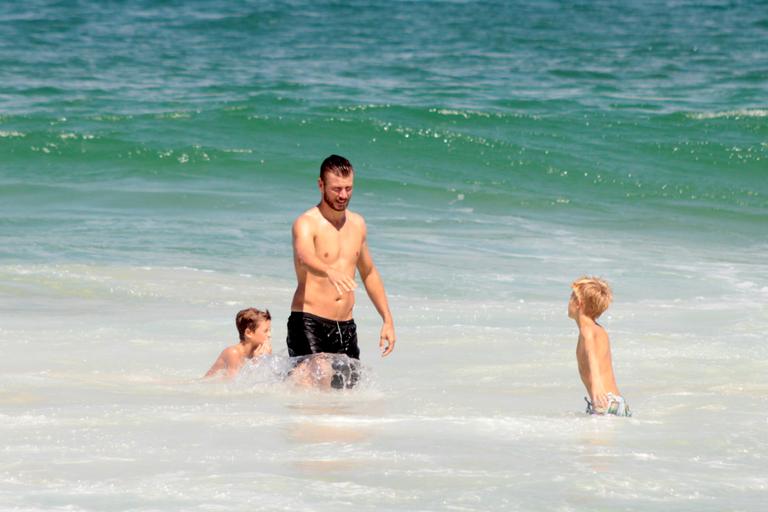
x=153 y=156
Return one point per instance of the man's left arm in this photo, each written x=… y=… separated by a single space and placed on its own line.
x=375 y=288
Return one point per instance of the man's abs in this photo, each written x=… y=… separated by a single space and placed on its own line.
x=316 y=295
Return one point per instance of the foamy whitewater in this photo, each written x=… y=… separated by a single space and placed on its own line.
x=153 y=157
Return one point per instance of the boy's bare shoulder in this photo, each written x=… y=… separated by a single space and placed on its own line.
x=233 y=351
x=594 y=334
x=600 y=330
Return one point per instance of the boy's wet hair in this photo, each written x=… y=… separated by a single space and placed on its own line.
x=337 y=165
x=250 y=318
x=593 y=294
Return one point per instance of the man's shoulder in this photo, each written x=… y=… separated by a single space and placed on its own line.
x=311 y=213
x=309 y=217
x=355 y=218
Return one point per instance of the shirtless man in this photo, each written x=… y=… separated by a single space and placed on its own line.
x=329 y=244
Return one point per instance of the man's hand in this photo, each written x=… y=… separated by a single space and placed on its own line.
x=387 y=339
x=341 y=281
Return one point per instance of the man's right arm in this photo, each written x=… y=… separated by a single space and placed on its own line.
x=304 y=249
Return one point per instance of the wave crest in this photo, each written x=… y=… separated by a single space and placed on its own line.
x=730 y=114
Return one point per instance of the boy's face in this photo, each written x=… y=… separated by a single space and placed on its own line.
x=262 y=333
x=573 y=306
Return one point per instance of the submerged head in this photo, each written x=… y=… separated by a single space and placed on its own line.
x=591 y=296
x=335 y=182
x=254 y=325
x=326 y=371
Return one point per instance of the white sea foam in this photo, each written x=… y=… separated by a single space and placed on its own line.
x=12 y=134
x=735 y=114
x=115 y=406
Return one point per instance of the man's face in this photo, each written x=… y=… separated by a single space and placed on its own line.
x=336 y=190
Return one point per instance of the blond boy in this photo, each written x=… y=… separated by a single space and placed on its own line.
x=590 y=298
x=255 y=329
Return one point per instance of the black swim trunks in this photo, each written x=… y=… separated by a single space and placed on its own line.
x=312 y=334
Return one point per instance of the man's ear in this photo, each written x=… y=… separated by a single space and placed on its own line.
x=320 y=184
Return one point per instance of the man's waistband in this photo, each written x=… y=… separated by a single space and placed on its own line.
x=304 y=314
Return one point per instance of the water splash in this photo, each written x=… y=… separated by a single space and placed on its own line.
x=317 y=371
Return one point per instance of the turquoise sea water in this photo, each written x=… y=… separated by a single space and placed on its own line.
x=154 y=154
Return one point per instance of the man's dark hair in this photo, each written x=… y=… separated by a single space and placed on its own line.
x=337 y=165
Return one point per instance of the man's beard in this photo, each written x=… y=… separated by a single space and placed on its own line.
x=333 y=206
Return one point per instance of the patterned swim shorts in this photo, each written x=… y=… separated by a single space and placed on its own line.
x=616 y=407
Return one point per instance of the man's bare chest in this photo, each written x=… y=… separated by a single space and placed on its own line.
x=333 y=245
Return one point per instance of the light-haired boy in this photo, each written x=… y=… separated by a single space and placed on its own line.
x=590 y=298
x=255 y=329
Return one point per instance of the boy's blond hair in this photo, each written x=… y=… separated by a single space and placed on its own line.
x=594 y=295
